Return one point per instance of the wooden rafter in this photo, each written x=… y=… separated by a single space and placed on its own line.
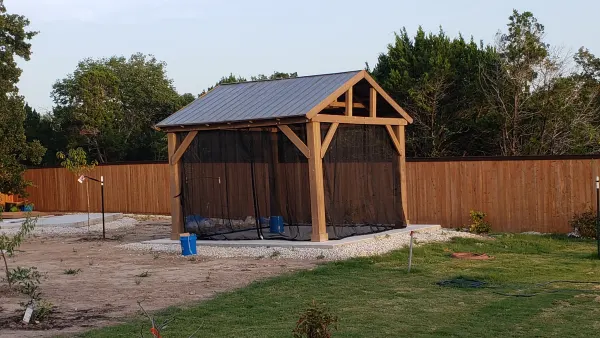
x=337 y=93
x=295 y=140
x=394 y=139
x=387 y=98
x=359 y=120
x=349 y=105
x=372 y=102
x=328 y=138
x=183 y=147
x=236 y=125
x=337 y=104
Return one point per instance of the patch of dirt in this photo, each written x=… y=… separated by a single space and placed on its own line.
x=470 y=255
x=109 y=285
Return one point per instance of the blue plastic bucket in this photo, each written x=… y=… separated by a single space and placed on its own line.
x=188 y=245
x=276 y=224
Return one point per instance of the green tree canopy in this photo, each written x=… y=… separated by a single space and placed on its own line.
x=110 y=106
x=14 y=148
x=518 y=97
x=260 y=77
x=435 y=78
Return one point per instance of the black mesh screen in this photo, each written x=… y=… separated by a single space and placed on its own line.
x=235 y=181
x=361 y=178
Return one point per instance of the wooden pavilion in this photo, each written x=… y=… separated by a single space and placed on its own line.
x=341 y=98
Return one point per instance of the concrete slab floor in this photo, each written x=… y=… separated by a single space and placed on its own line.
x=304 y=244
x=72 y=220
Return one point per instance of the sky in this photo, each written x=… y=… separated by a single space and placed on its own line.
x=201 y=41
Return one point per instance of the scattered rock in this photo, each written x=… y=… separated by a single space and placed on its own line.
x=374 y=246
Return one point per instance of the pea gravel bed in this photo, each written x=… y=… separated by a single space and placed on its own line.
x=52 y=231
x=376 y=246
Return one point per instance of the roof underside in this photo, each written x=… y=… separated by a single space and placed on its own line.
x=249 y=101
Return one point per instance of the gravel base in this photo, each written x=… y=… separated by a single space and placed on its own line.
x=122 y=223
x=376 y=246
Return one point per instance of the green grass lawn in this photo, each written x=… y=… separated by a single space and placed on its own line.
x=376 y=297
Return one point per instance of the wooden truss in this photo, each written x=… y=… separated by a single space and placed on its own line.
x=314 y=149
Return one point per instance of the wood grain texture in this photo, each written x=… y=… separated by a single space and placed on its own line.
x=175 y=186
x=394 y=139
x=183 y=147
x=349 y=105
x=359 y=120
x=525 y=195
x=296 y=140
x=317 y=190
x=328 y=138
x=372 y=102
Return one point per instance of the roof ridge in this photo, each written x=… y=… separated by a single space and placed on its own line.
x=290 y=78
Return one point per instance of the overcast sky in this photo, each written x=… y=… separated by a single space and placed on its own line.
x=204 y=40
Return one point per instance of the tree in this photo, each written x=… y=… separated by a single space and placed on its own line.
x=8 y=244
x=75 y=160
x=275 y=76
x=14 y=148
x=436 y=79
x=42 y=128
x=541 y=107
x=260 y=77
x=109 y=106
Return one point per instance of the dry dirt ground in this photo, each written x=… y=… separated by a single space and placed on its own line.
x=108 y=287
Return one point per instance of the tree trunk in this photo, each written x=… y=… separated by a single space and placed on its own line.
x=6 y=267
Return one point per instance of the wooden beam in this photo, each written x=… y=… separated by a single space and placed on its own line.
x=175 y=189
x=388 y=98
x=337 y=93
x=349 y=105
x=394 y=139
x=184 y=145
x=399 y=131
x=235 y=125
x=328 y=138
x=296 y=140
x=359 y=120
x=337 y=104
x=315 y=175
x=372 y=102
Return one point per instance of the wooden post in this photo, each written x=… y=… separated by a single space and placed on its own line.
x=372 y=103
x=174 y=173
x=317 y=192
x=399 y=130
x=349 y=104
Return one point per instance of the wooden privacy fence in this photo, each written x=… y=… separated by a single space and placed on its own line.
x=517 y=195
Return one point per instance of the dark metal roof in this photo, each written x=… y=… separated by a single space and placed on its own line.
x=258 y=100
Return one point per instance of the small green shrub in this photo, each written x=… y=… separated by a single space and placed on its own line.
x=71 y=271
x=315 y=322
x=26 y=281
x=585 y=224
x=8 y=244
x=14 y=209
x=43 y=310
x=478 y=224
